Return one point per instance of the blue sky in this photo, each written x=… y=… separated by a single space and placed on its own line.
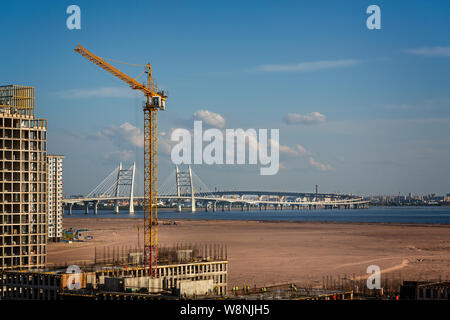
x=369 y=108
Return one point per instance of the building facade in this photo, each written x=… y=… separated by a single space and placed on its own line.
x=97 y=284
x=23 y=181
x=55 y=197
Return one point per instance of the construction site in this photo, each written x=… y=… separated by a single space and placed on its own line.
x=184 y=271
x=24 y=230
x=150 y=271
x=29 y=217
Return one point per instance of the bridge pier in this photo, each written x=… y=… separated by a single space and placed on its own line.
x=242 y=206
x=70 y=208
x=206 y=206
x=229 y=206
x=96 y=207
x=86 y=207
x=214 y=206
x=179 y=206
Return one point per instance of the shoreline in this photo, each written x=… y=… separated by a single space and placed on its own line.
x=434 y=224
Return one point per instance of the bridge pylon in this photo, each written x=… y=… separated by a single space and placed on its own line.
x=185 y=186
x=125 y=177
x=131 y=206
x=116 y=203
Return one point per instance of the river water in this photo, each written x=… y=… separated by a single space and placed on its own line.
x=420 y=215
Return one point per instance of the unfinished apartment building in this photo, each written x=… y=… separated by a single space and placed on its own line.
x=190 y=271
x=55 y=197
x=23 y=180
x=201 y=279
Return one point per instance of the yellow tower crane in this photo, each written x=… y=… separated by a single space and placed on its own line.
x=155 y=101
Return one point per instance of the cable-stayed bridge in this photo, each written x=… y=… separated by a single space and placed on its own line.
x=183 y=188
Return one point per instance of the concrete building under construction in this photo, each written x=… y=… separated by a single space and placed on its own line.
x=183 y=272
x=23 y=180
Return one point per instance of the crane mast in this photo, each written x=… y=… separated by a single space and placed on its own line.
x=155 y=100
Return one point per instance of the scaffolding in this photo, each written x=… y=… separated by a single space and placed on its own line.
x=17 y=100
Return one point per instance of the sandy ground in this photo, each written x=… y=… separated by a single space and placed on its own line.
x=266 y=253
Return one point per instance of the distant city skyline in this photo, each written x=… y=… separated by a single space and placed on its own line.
x=359 y=111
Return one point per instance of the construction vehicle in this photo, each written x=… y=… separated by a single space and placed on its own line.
x=155 y=100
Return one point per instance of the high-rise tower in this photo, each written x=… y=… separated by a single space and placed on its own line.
x=55 y=197
x=23 y=180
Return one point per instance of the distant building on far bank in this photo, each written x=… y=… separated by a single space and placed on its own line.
x=55 y=197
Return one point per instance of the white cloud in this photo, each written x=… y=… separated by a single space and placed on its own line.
x=431 y=51
x=124 y=136
x=103 y=92
x=210 y=118
x=302 y=150
x=282 y=148
x=297 y=150
x=310 y=118
x=122 y=155
x=287 y=149
x=127 y=136
x=307 y=66
x=132 y=134
x=164 y=143
x=320 y=166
